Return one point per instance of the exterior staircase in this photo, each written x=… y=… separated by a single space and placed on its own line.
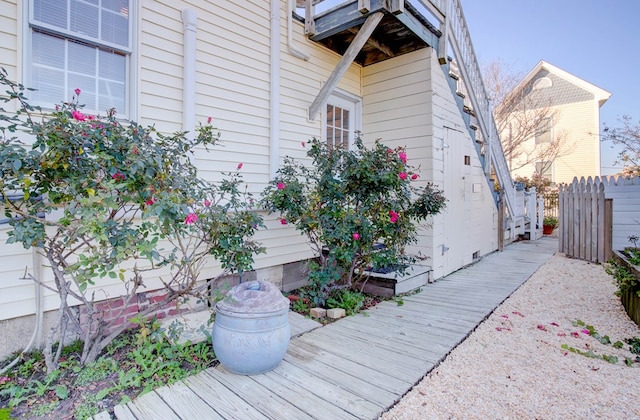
x=449 y=36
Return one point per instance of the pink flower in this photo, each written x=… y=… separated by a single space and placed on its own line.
x=207 y=203
x=393 y=216
x=356 y=236
x=575 y=334
x=191 y=218
x=209 y=120
x=150 y=201
x=283 y=221
x=280 y=185
x=78 y=115
x=560 y=334
x=239 y=165
x=555 y=324
x=517 y=313
x=505 y=316
x=403 y=157
x=389 y=151
x=77 y=91
x=542 y=327
x=303 y=144
x=414 y=176
x=118 y=176
x=402 y=175
x=585 y=331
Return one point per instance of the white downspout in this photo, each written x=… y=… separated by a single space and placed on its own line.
x=290 y=43
x=274 y=94
x=190 y=22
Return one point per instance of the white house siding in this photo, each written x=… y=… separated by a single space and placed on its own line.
x=577 y=125
x=408 y=102
x=625 y=193
x=580 y=121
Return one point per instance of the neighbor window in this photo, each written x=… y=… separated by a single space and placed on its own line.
x=545 y=169
x=544 y=131
x=84 y=44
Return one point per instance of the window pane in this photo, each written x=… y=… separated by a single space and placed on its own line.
x=48 y=50
x=345 y=119
x=82 y=58
x=49 y=84
x=112 y=66
x=51 y=12
x=115 y=28
x=84 y=19
x=112 y=95
x=87 y=85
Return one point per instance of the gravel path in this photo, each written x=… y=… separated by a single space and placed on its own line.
x=513 y=367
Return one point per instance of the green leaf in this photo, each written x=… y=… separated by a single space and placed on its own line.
x=62 y=392
x=17 y=164
x=112 y=275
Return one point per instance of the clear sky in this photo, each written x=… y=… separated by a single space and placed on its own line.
x=595 y=40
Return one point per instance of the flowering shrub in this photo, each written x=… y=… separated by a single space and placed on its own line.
x=92 y=193
x=358 y=208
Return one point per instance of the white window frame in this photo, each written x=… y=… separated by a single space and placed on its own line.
x=350 y=102
x=130 y=88
x=542 y=128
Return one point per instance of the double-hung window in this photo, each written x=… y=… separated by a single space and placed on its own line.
x=342 y=120
x=80 y=44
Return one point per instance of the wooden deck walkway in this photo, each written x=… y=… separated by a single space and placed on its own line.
x=359 y=366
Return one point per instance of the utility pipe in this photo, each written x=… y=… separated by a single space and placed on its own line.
x=274 y=94
x=190 y=22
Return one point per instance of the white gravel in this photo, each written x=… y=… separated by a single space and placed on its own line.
x=513 y=367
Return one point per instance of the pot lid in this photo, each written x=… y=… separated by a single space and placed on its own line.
x=256 y=296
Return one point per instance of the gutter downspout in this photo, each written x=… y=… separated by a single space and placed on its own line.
x=274 y=92
x=290 y=43
x=190 y=22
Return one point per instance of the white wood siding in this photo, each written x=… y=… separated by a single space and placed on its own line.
x=408 y=102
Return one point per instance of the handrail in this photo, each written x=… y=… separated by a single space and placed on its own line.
x=455 y=33
x=460 y=41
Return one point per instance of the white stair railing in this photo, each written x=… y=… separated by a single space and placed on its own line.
x=456 y=34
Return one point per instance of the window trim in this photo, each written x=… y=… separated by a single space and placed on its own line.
x=345 y=100
x=131 y=57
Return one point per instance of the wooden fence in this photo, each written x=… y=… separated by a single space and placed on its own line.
x=585 y=216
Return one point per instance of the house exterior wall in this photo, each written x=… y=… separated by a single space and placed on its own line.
x=575 y=107
x=577 y=124
x=232 y=87
x=407 y=102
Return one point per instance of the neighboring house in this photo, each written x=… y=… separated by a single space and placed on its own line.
x=269 y=87
x=566 y=112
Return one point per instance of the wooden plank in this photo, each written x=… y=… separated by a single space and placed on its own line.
x=353 y=405
x=150 y=406
x=228 y=404
x=186 y=403
x=312 y=401
x=375 y=376
x=300 y=324
x=416 y=345
x=391 y=363
x=263 y=400
x=355 y=381
x=122 y=412
x=102 y=416
x=347 y=58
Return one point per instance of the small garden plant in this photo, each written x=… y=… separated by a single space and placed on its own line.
x=634 y=345
x=134 y=363
x=359 y=209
